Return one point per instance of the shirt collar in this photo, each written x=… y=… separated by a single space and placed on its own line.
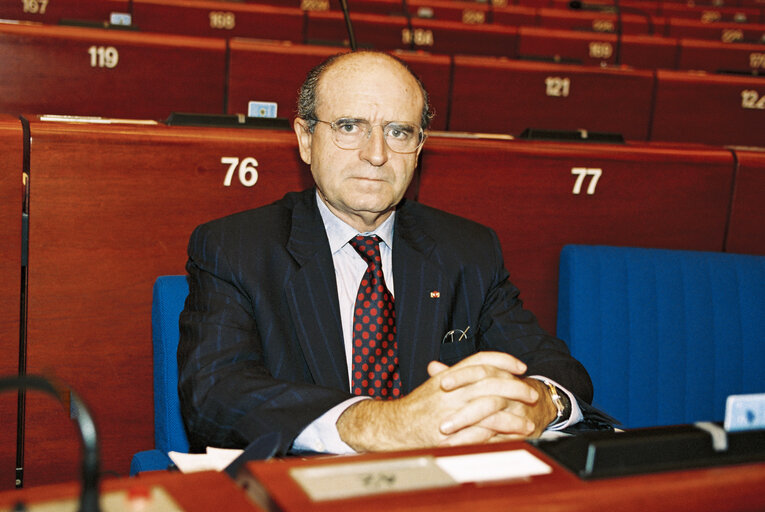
x=338 y=232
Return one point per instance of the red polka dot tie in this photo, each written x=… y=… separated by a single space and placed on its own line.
x=375 y=352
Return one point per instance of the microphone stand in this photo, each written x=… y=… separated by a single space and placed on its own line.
x=348 y=25
x=86 y=428
x=409 y=26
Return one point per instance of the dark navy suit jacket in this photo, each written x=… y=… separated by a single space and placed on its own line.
x=261 y=348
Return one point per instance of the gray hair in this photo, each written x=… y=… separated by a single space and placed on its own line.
x=306 y=105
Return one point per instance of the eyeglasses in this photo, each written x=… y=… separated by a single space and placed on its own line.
x=352 y=133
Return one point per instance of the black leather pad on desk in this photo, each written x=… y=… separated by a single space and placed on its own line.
x=609 y=454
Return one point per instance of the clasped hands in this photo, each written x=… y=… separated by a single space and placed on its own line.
x=483 y=398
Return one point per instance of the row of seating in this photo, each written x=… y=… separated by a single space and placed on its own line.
x=228 y=19
x=112 y=206
x=118 y=74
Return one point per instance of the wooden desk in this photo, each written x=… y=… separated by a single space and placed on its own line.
x=711 y=109
x=11 y=162
x=646 y=196
x=731 y=488
x=203 y=492
x=113 y=208
x=745 y=231
x=87 y=71
x=548 y=96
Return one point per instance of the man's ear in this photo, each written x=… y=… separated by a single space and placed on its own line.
x=304 y=137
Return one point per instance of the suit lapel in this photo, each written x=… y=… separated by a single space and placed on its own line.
x=418 y=281
x=312 y=297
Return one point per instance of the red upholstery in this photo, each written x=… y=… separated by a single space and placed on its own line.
x=218 y=19
x=714 y=56
x=745 y=232
x=713 y=109
x=106 y=224
x=649 y=196
x=11 y=164
x=83 y=71
x=548 y=96
x=274 y=72
x=596 y=49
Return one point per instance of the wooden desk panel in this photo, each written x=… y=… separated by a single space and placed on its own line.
x=596 y=49
x=592 y=21
x=709 y=14
x=721 y=489
x=711 y=109
x=747 y=218
x=196 y=492
x=714 y=56
x=721 y=31
x=274 y=72
x=98 y=72
x=218 y=19
x=647 y=196
x=11 y=163
x=112 y=209
x=548 y=96
x=53 y=12
x=388 y=33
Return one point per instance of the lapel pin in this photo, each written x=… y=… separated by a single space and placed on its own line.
x=435 y=294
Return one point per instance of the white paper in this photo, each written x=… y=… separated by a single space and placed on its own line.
x=484 y=467
x=215 y=459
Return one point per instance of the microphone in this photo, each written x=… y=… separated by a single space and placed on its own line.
x=348 y=25
x=85 y=426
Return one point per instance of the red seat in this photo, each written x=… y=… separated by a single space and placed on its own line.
x=112 y=208
x=596 y=49
x=548 y=96
x=98 y=72
x=537 y=197
x=715 y=56
x=745 y=231
x=712 y=109
x=274 y=72
x=218 y=19
x=11 y=165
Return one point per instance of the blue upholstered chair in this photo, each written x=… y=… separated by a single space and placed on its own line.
x=169 y=435
x=666 y=335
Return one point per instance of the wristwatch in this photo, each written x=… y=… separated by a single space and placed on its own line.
x=561 y=402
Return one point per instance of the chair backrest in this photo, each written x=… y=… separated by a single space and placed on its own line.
x=169 y=297
x=666 y=335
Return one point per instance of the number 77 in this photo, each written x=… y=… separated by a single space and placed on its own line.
x=580 y=173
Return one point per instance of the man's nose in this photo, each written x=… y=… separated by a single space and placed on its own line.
x=375 y=150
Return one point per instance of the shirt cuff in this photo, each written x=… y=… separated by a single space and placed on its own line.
x=321 y=435
x=576 y=412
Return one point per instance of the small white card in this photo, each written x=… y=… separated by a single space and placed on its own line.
x=353 y=479
x=261 y=109
x=745 y=412
x=490 y=466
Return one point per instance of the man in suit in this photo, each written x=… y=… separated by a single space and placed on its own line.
x=269 y=331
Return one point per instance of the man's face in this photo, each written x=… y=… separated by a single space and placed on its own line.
x=362 y=186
